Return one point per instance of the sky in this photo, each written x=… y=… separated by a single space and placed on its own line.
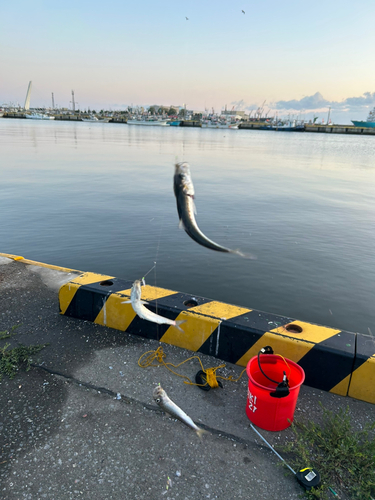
x=298 y=58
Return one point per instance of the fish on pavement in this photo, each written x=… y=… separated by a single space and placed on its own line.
x=167 y=405
x=184 y=192
x=144 y=313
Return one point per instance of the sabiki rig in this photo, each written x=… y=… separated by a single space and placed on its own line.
x=144 y=313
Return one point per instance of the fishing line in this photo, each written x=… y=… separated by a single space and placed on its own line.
x=156 y=259
x=154 y=268
x=156 y=256
x=158 y=245
x=148 y=272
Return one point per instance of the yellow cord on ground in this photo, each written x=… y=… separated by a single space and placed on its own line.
x=156 y=358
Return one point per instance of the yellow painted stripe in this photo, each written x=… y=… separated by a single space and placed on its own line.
x=40 y=264
x=115 y=314
x=342 y=387
x=154 y=293
x=124 y=294
x=197 y=329
x=296 y=347
x=220 y=310
x=88 y=278
x=362 y=384
x=291 y=348
x=68 y=290
x=310 y=332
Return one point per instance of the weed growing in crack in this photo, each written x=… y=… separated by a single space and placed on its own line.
x=7 y=334
x=11 y=360
x=345 y=458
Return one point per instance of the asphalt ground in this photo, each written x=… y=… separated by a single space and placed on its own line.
x=82 y=422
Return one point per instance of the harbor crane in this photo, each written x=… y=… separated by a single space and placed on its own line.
x=261 y=109
x=27 y=100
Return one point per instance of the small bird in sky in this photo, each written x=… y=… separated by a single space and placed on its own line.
x=243 y=12
x=187 y=19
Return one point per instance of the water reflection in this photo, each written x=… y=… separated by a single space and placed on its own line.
x=99 y=197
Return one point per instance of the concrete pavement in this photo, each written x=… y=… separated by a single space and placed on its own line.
x=82 y=423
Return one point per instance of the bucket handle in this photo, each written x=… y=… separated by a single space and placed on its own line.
x=282 y=388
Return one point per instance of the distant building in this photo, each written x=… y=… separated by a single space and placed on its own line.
x=159 y=108
x=164 y=109
x=237 y=114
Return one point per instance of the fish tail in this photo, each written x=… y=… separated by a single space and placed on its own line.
x=244 y=255
x=178 y=323
x=200 y=433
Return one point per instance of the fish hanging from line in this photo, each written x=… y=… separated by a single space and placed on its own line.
x=144 y=313
x=167 y=405
x=184 y=192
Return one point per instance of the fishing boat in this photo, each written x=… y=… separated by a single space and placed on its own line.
x=369 y=123
x=291 y=126
x=175 y=123
x=39 y=116
x=94 y=119
x=209 y=123
x=149 y=121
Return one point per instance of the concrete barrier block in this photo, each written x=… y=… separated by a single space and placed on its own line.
x=362 y=383
x=231 y=333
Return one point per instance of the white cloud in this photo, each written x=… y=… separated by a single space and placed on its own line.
x=312 y=102
x=317 y=102
x=358 y=103
x=239 y=105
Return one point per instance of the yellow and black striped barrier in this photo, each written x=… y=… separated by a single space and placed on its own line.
x=362 y=384
x=231 y=333
x=333 y=360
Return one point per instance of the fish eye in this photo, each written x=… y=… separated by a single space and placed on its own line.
x=157 y=400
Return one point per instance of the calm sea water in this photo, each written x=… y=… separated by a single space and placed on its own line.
x=99 y=197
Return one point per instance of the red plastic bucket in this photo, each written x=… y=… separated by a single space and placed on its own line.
x=263 y=409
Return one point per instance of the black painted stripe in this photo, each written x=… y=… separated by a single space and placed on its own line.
x=239 y=334
x=89 y=299
x=365 y=349
x=151 y=330
x=329 y=362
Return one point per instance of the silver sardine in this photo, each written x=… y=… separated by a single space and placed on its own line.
x=144 y=313
x=167 y=405
x=184 y=192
